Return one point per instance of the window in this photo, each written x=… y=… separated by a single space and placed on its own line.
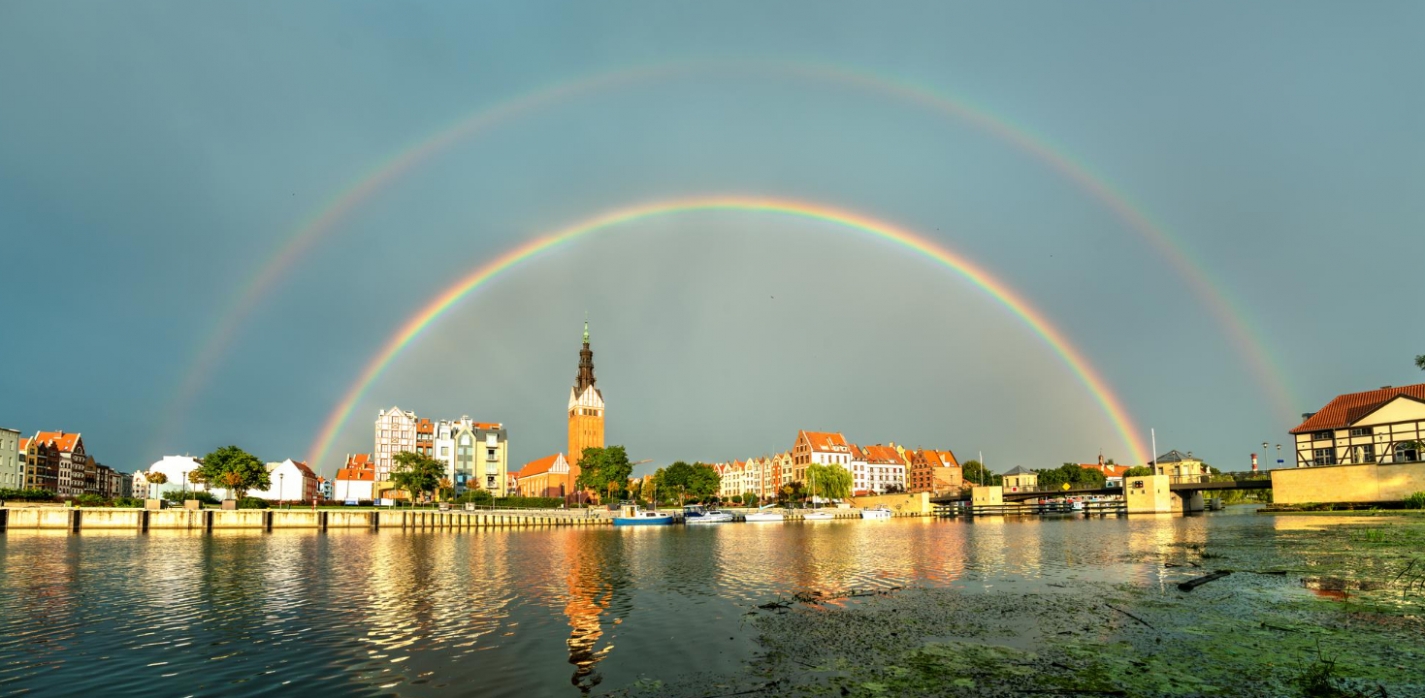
x=1408 y=452
x=1322 y=436
x=1361 y=431
x=1323 y=456
x=1368 y=453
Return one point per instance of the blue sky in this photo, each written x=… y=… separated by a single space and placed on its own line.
x=153 y=156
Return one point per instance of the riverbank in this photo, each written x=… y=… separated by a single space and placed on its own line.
x=1329 y=609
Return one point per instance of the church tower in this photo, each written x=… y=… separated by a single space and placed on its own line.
x=586 y=411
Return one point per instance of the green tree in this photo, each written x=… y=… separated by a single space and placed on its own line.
x=236 y=470
x=649 y=490
x=828 y=481
x=696 y=480
x=792 y=492
x=1420 y=362
x=751 y=499
x=1138 y=471
x=605 y=470
x=976 y=473
x=1071 y=474
x=416 y=473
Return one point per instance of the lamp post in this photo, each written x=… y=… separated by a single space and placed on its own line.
x=280 y=489
x=1279 y=454
x=185 y=484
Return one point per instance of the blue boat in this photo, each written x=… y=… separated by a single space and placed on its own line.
x=634 y=515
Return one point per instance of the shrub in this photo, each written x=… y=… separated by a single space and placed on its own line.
x=179 y=496
x=27 y=495
x=252 y=503
x=1415 y=501
x=128 y=502
x=736 y=499
x=90 y=499
x=529 y=502
x=481 y=497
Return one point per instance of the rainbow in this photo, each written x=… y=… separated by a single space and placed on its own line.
x=977 y=275
x=328 y=217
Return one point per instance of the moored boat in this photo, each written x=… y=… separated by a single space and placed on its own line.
x=765 y=515
x=879 y=511
x=634 y=515
x=818 y=515
x=698 y=514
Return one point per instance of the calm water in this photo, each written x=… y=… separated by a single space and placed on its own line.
x=551 y=612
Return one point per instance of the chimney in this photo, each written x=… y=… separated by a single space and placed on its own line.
x=1383 y=387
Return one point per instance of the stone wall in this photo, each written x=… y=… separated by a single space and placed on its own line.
x=909 y=504
x=1347 y=484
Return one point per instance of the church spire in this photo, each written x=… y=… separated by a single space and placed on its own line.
x=585 y=379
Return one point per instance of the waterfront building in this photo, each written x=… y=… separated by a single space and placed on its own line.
x=355 y=481
x=931 y=470
x=324 y=488
x=586 y=413
x=885 y=469
x=824 y=448
x=105 y=481
x=288 y=481
x=546 y=477
x=126 y=485
x=1112 y=474
x=61 y=462
x=1179 y=464
x=395 y=433
x=1386 y=425
x=783 y=470
x=425 y=437
x=176 y=469
x=41 y=465
x=12 y=462
x=475 y=454
x=1021 y=480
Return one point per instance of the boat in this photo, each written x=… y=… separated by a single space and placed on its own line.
x=765 y=515
x=818 y=515
x=877 y=512
x=634 y=515
x=698 y=514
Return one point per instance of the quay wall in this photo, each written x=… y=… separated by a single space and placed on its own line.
x=100 y=518
x=1347 y=484
x=917 y=504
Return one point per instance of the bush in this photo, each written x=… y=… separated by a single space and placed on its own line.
x=27 y=495
x=252 y=503
x=736 y=499
x=179 y=496
x=89 y=499
x=529 y=502
x=481 y=497
x=1415 y=501
x=129 y=502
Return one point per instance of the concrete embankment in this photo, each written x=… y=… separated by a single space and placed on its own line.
x=81 y=519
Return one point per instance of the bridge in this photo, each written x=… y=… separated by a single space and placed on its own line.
x=1142 y=494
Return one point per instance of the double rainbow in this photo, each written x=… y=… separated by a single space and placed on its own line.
x=975 y=274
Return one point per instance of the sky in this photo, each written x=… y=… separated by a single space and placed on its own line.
x=1218 y=205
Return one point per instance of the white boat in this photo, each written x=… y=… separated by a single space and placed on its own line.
x=633 y=515
x=877 y=512
x=817 y=515
x=698 y=514
x=765 y=515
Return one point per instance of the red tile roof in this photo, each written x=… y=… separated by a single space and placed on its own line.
x=1107 y=470
x=24 y=445
x=543 y=465
x=883 y=455
x=488 y=425
x=358 y=467
x=947 y=459
x=65 y=442
x=825 y=441
x=302 y=468
x=1345 y=410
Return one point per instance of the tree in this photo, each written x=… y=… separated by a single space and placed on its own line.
x=792 y=492
x=1138 y=471
x=697 y=480
x=1420 y=362
x=604 y=470
x=235 y=469
x=751 y=499
x=1071 y=474
x=828 y=481
x=650 y=488
x=416 y=473
x=975 y=472
x=154 y=478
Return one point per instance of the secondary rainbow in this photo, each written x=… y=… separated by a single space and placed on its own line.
x=975 y=274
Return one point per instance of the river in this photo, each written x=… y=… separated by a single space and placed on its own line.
x=515 y=612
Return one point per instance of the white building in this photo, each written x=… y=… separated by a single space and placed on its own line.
x=355 y=482
x=475 y=454
x=12 y=467
x=290 y=481
x=395 y=432
x=176 y=468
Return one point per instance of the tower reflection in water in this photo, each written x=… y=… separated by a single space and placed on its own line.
x=596 y=577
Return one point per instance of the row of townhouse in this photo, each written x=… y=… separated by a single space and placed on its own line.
x=874 y=469
x=58 y=462
x=475 y=454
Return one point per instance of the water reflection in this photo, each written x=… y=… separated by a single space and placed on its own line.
x=420 y=613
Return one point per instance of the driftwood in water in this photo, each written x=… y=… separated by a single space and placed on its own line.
x=1191 y=584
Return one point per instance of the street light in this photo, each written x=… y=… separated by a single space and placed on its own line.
x=280 y=489
x=1279 y=454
